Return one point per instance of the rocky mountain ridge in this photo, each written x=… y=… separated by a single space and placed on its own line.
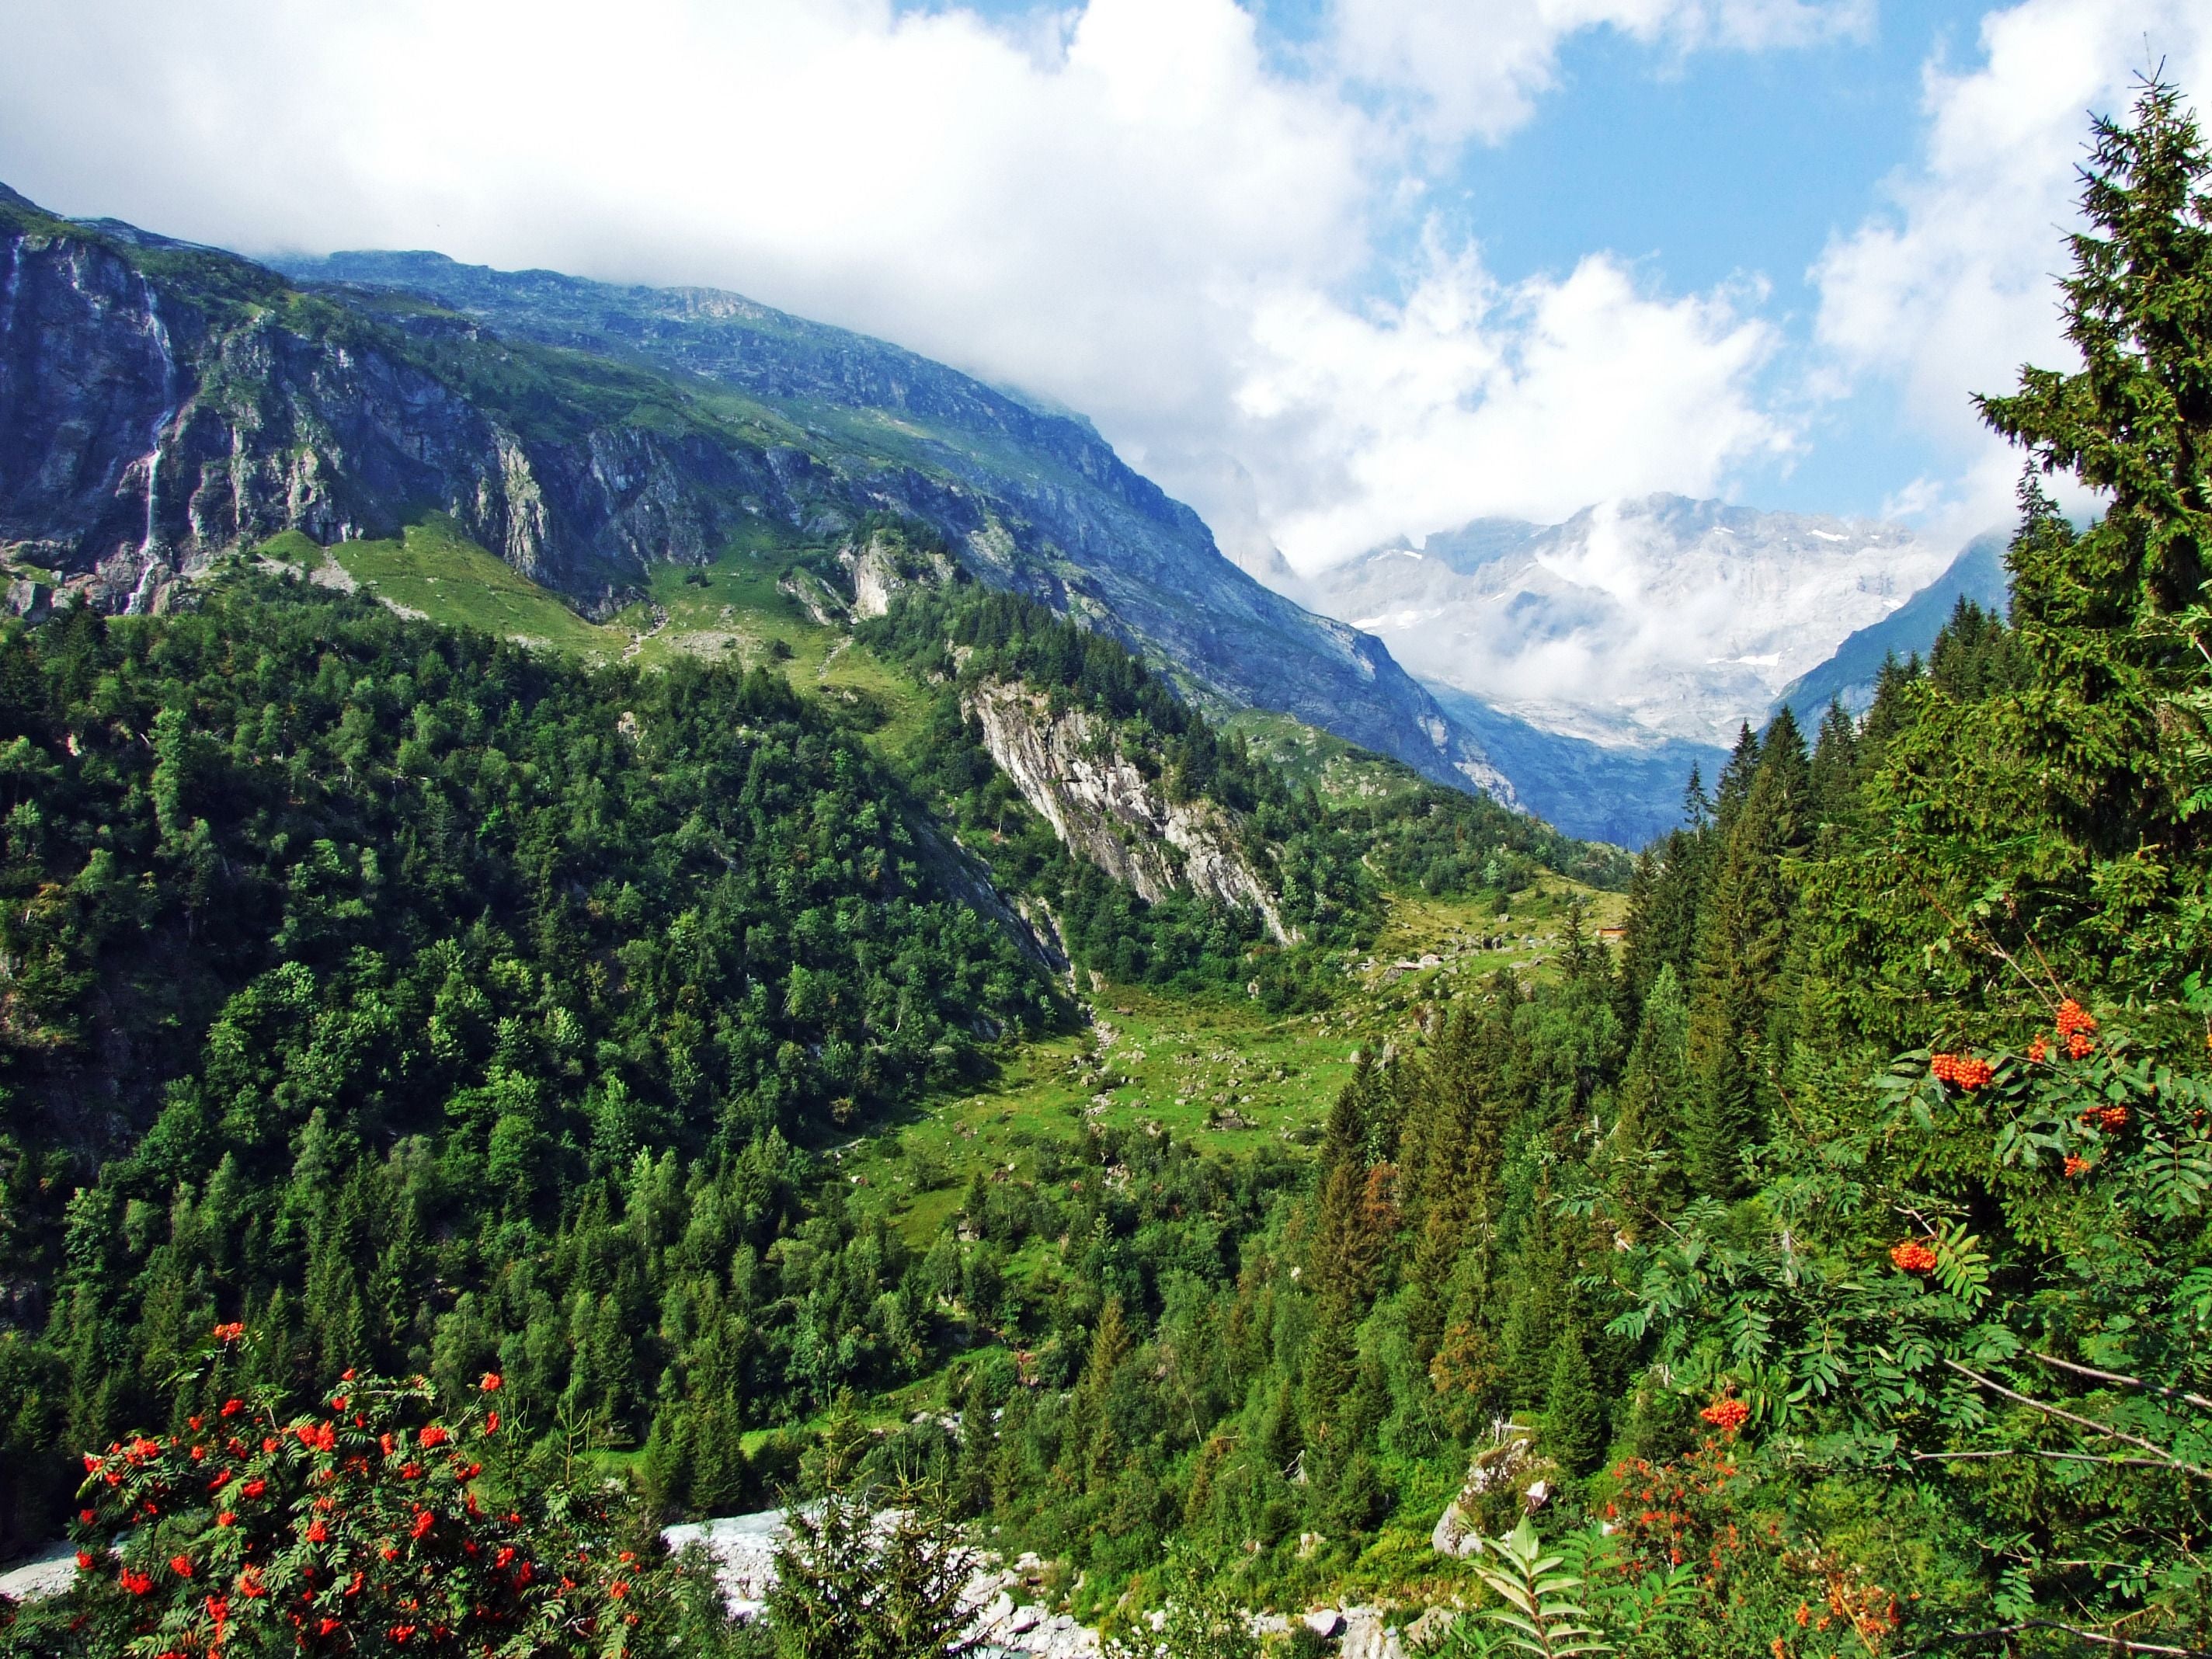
x=1978 y=574
x=1597 y=661
x=1037 y=500
x=161 y=403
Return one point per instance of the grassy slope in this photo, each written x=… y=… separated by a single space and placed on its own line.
x=1340 y=771
x=1216 y=1070
x=433 y=570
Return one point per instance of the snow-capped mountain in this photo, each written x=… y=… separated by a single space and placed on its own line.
x=1633 y=622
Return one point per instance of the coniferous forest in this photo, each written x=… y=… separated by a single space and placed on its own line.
x=426 y=1060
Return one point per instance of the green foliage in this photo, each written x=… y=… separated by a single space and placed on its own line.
x=429 y=1003
x=1538 y=1617
x=1197 y=1619
x=1574 y=1415
x=867 y=1571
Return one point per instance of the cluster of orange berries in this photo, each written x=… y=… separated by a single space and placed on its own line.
x=233 y=1332
x=1913 y=1256
x=2110 y=1119
x=2075 y=1166
x=2078 y=1032
x=1727 y=1415
x=1966 y=1071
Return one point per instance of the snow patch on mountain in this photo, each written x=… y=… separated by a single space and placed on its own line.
x=1634 y=622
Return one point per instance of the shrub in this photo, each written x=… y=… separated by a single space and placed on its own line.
x=363 y=1527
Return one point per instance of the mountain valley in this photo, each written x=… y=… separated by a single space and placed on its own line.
x=621 y=911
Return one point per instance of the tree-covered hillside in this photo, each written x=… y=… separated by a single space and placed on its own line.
x=355 y=962
x=1826 y=1274
x=423 y=1002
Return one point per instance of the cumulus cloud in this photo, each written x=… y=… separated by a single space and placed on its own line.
x=1475 y=397
x=1055 y=216
x=1135 y=207
x=1948 y=290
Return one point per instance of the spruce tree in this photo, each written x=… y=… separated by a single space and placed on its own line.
x=1654 y=1092
x=2036 y=809
x=1834 y=777
x=852 y=1584
x=1462 y=1102
x=1574 y=1415
x=1355 y=1218
x=1742 y=937
x=1091 y=1451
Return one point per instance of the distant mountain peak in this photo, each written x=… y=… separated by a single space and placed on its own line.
x=1848 y=676
x=1638 y=629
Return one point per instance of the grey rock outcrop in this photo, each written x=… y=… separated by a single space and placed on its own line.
x=1103 y=806
x=146 y=425
x=880 y=572
x=1367 y=1636
x=31 y=600
x=1504 y=1463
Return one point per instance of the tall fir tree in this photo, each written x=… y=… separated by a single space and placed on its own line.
x=1742 y=937
x=1574 y=1412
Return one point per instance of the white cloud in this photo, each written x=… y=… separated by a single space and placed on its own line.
x=1950 y=291
x=1131 y=206
x=1477 y=69
x=1475 y=398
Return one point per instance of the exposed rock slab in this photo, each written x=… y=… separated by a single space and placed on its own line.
x=1069 y=768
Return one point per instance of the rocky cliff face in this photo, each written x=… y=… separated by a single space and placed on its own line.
x=1068 y=767
x=1031 y=498
x=148 y=420
x=160 y=402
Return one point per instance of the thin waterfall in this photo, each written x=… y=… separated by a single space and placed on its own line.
x=15 y=282
x=160 y=330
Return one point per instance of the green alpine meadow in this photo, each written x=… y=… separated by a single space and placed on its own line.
x=675 y=983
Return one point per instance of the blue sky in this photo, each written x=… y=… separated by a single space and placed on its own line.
x=1332 y=270
x=1708 y=165
x=1712 y=166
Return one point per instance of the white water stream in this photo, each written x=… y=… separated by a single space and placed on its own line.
x=160 y=330
x=15 y=282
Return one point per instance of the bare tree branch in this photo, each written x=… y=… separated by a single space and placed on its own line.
x=2197 y=1399
x=2121 y=1643
x=2166 y=1458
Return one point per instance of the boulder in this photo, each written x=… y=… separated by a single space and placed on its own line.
x=1502 y=1465
x=1366 y=1637
x=1427 y=1629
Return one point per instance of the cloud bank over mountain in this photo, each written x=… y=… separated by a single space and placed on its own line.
x=1242 y=252
x=1945 y=290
